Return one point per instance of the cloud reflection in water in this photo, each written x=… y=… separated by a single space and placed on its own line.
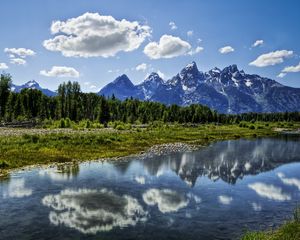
x=167 y=200
x=90 y=211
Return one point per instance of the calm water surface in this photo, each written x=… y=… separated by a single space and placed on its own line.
x=217 y=192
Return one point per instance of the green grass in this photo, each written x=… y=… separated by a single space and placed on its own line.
x=288 y=231
x=31 y=148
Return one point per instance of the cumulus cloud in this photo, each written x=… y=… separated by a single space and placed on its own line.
x=19 y=52
x=289 y=181
x=190 y=33
x=196 y=50
x=95 y=35
x=3 y=66
x=91 y=211
x=167 y=200
x=269 y=191
x=292 y=69
x=271 y=58
x=258 y=43
x=17 y=189
x=141 y=67
x=281 y=75
x=172 y=25
x=18 y=61
x=60 y=71
x=226 y=49
x=226 y=200
x=167 y=47
x=140 y=179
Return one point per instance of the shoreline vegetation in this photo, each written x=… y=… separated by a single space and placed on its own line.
x=52 y=143
x=289 y=230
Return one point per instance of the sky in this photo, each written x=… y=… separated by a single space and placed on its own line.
x=95 y=41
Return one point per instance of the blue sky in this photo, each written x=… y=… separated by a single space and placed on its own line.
x=95 y=55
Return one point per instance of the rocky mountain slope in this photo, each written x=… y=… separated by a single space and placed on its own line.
x=228 y=91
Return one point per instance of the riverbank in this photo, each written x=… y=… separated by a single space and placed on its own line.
x=24 y=147
x=288 y=231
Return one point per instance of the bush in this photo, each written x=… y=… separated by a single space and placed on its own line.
x=252 y=127
x=62 y=123
x=3 y=164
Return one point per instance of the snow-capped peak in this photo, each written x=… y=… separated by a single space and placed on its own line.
x=153 y=77
x=31 y=83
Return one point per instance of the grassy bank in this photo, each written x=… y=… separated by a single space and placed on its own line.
x=19 y=147
x=288 y=231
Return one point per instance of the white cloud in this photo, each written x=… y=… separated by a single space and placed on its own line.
x=269 y=191
x=292 y=69
x=141 y=67
x=258 y=43
x=3 y=66
x=60 y=71
x=167 y=47
x=226 y=49
x=17 y=189
x=91 y=211
x=226 y=200
x=167 y=200
x=281 y=75
x=113 y=71
x=196 y=50
x=199 y=40
x=95 y=35
x=289 y=181
x=271 y=58
x=18 y=61
x=20 y=52
x=172 y=25
x=140 y=179
x=190 y=33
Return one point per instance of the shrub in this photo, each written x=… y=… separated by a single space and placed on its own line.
x=62 y=123
x=252 y=127
x=3 y=164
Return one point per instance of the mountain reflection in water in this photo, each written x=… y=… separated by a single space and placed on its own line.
x=191 y=195
x=228 y=160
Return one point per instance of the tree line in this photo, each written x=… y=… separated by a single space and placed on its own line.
x=72 y=103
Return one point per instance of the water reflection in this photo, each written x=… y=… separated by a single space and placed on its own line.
x=225 y=200
x=167 y=200
x=228 y=160
x=91 y=211
x=269 y=191
x=289 y=181
x=61 y=172
x=147 y=198
x=16 y=189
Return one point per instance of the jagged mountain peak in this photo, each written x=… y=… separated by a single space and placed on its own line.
x=123 y=80
x=229 y=90
x=153 y=77
x=32 y=84
x=189 y=69
x=231 y=69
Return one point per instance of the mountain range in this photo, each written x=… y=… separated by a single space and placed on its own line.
x=32 y=85
x=228 y=91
